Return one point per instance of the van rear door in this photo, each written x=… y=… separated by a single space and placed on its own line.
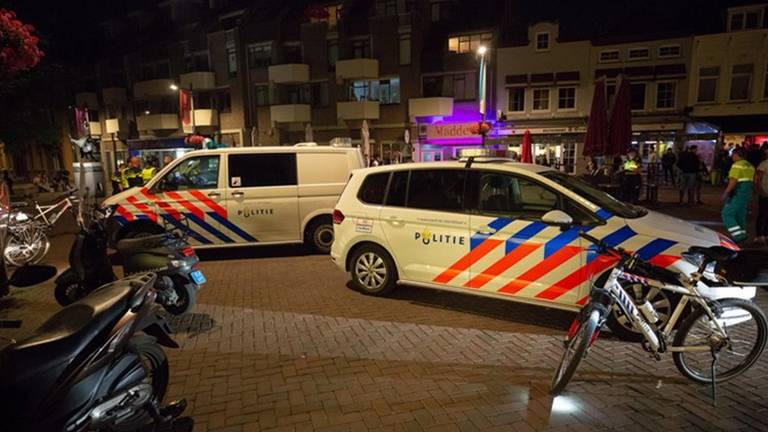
x=262 y=196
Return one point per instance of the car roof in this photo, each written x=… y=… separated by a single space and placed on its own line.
x=506 y=165
x=275 y=149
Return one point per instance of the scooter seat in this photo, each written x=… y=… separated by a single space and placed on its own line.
x=715 y=253
x=42 y=357
x=142 y=244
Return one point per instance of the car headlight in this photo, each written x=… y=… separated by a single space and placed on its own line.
x=696 y=259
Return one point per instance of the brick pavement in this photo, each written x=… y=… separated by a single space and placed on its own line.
x=279 y=342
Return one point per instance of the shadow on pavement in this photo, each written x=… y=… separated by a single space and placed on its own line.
x=253 y=252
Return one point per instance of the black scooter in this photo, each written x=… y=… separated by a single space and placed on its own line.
x=96 y=364
x=168 y=255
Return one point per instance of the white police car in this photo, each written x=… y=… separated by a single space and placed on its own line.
x=475 y=228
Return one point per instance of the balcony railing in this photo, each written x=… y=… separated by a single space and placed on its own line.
x=360 y=68
x=289 y=73
x=358 y=110
x=290 y=113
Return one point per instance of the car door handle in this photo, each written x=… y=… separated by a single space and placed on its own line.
x=395 y=220
x=486 y=230
x=214 y=194
x=238 y=194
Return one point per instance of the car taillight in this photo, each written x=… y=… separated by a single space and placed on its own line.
x=338 y=217
x=188 y=251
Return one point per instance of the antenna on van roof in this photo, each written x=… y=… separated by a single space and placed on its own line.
x=469 y=162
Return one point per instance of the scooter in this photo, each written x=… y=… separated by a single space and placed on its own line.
x=168 y=255
x=96 y=364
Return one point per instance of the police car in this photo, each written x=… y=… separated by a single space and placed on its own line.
x=475 y=228
x=241 y=196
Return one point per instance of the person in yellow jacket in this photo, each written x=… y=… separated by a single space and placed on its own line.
x=132 y=174
x=116 y=178
x=632 y=178
x=737 y=196
x=150 y=169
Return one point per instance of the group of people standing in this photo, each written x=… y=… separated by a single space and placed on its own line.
x=135 y=174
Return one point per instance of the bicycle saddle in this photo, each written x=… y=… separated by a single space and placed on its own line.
x=715 y=253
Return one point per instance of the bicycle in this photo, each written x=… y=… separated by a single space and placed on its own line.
x=27 y=239
x=712 y=330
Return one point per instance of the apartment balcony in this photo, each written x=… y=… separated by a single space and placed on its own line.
x=157 y=122
x=114 y=95
x=198 y=80
x=430 y=106
x=89 y=100
x=361 y=68
x=155 y=87
x=118 y=126
x=359 y=110
x=95 y=128
x=204 y=118
x=290 y=113
x=289 y=73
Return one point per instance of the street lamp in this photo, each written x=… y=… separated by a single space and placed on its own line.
x=481 y=51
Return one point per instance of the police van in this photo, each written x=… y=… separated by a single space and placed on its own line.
x=476 y=228
x=241 y=196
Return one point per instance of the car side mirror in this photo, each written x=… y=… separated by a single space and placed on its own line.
x=557 y=218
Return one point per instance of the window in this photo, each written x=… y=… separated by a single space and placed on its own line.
x=737 y=21
x=609 y=56
x=262 y=169
x=741 y=80
x=468 y=43
x=386 y=7
x=436 y=190
x=261 y=95
x=517 y=99
x=638 y=53
x=361 y=48
x=566 y=98
x=259 y=56
x=753 y=20
x=665 y=95
x=746 y=20
x=637 y=96
x=398 y=189
x=200 y=172
x=373 y=188
x=197 y=62
x=541 y=99
x=708 y=84
x=292 y=52
x=513 y=196
x=669 y=51
x=439 y=10
x=387 y=91
x=459 y=86
x=333 y=53
x=231 y=55
x=319 y=94
x=225 y=101
x=405 y=49
x=542 y=41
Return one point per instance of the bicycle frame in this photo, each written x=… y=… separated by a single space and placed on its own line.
x=43 y=212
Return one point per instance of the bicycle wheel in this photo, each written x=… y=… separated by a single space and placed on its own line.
x=746 y=329
x=580 y=338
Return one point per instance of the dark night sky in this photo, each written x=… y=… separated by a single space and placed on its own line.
x=68 y=27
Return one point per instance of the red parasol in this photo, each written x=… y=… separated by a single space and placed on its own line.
x=620 y=130
x=526 y=151
x=597 y=128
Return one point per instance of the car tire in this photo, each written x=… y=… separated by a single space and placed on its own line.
x=319 y=235
x=373 y=270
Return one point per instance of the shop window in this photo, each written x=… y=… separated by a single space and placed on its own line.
x=569 y=157
x=373 y=188
x=405 y=49
x=708 y=84
x=566 y=98
x=361 y=48
x=638 y=53
x=398 y=189
x=261 y=95
x=512 y=196
x=516 y=99
x=436 y=190
x=259 y=56
x=637 y=96
x=665 y=95
x=609 y=56
x=541 y=99
x=262 y=170
x=468 y=43
x=200 y=172
x=542 y=41
x=741 y=80
x=669 y=51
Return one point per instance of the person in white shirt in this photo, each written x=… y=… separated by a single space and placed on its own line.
x=761 y=185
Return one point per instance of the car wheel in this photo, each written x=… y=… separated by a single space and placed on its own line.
x=373 y=270
x=320 y=236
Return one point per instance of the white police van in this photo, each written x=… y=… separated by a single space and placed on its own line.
x=241 y=196
x=475 y=228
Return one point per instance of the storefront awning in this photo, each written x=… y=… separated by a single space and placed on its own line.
x=158 y=143
x=747 y=124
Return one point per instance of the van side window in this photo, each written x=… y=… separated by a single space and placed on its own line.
x=513 y=196
x=262 y=169
x=200 y=172
x=373 y=188
x=398 y=188
x=436 y=189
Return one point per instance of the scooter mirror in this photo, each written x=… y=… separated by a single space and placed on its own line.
x=32 y=275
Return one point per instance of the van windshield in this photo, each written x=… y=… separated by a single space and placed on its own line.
x=595 y=195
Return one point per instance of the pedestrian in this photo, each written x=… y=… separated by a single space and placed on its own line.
x=754 y=155
x=703 y=178
x=116 y=179
x=653 y=165
x=632 y=177
x=8 y=180
x=689 y=166
x=737 y=196
x=668 y=165
x=716 y=174
x=150 y=168
x=132 y=173
x=761 y=184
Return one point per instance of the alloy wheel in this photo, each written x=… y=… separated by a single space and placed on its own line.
x=371 y=271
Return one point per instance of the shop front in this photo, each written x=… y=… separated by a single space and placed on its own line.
x=555 y=146
x=445 y=140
